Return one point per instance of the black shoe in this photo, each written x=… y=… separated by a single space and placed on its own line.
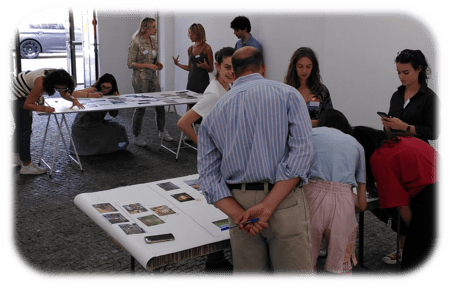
x=223 y=266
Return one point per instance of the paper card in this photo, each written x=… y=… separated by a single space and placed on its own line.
x=104 y=207
x=151 y=220
x=115 y=218
x=130 y=229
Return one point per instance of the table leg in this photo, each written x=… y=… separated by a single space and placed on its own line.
x=73 y=145
x=132 y=265
x=43 y=142
x=361 y=239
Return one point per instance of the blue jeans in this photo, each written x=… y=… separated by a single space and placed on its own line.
x=22 y=132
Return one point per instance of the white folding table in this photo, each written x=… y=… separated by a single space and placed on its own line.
x=125 y=101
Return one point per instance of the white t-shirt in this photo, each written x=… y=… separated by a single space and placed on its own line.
x=212 y=94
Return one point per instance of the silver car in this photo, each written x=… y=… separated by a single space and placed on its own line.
x=36 y=38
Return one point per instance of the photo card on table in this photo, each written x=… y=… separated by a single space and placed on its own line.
x=130 y=229
x=151 y=220
x=135 y=208
x=168 y=186
x=115 y=218
x=163 y=210
x=182 y=197
x=104 y=207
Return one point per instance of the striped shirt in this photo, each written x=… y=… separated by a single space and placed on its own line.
x=259 y=131
x=24 y=82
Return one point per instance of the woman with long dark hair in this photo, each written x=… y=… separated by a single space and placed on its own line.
x=304 y=74
x=405 y=172
x=92 y=134
x=28 y=89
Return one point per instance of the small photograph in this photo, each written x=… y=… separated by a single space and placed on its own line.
x=104 y=207
x=170 y=101
x=115 y=218
x=182 y=197
x=117 y=102
x=163 y=210
x=90 y=105
x=151 y=220
x=194 y=184
x=167 y=95
x=135 y=208
x=130 y=229
x=221 y=223
x=168 y=186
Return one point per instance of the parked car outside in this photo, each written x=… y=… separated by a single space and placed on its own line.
x=50 y=37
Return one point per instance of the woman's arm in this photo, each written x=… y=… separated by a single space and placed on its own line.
x=89 y=92
x=186 y=122
x=207 y=65
x=184 y=67
x=32 y=98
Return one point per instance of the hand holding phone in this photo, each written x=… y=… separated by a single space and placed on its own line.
x=159 y=238
x=382 y=114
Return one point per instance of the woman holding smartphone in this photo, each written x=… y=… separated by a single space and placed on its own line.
x=304 y=75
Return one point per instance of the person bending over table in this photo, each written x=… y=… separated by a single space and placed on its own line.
x=143 y=59
x=413 y=110
x=304 y=74
x=405 y=170
x=91 y=133
x=254 y=152
x=337 y=165
x=200 y=62
x=28 y=89
x=215 y=90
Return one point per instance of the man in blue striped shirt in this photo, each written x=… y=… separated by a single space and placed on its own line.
x=254 y=154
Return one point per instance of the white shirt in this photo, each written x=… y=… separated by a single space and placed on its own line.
x=212 y=94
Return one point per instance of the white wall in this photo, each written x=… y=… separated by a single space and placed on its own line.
x=356 y=52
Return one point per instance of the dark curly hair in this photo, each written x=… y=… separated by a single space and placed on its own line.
x=57 y=77
x=241 y=23
x=334 y=119
x=314 y=81
x=417 y=60
x=372 y=139
x=107 y=78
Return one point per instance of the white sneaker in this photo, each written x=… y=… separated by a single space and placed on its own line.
x=16 y=160
x=165 y=135
x=32 y=169
x=139 y=141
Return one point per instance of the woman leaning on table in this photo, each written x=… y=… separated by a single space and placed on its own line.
x=304 y=74
x=92 y=134
x=27 y=89
x=405 y=170
x=143 y=59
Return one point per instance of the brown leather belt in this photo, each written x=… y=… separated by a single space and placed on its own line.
x=250 y=186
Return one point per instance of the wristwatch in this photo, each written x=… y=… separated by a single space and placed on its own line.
x=408 y=128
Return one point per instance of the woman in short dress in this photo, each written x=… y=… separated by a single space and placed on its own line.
x=92 y=134
x=200 y=62
x=304 y=74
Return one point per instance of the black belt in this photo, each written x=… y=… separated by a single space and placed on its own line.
x=250 y=186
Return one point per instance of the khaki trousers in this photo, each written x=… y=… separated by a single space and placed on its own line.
x=285 y=246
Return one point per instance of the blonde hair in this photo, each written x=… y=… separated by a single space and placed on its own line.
x=144 y=25
x=198 y=30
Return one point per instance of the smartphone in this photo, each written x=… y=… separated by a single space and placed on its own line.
x=382 y=114
x=159 y=238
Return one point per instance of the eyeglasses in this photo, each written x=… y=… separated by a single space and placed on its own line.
x=405 y=54
x=64 y=90
x=106 y=87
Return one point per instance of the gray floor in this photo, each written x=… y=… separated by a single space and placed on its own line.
x=54 y=237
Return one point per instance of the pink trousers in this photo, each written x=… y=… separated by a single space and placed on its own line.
x=332 y=216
